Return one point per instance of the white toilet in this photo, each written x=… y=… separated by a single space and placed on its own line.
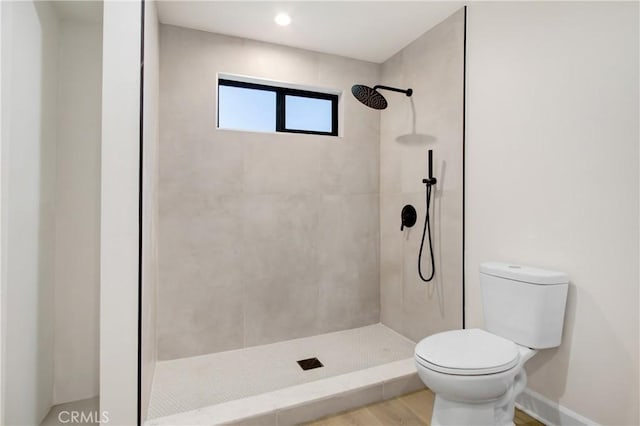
x=477 y=374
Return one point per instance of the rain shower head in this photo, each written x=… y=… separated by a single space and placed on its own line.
x=368 y=96
x=371 y=97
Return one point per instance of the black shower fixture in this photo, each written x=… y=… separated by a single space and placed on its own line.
x=408 y=217
x=429 y=183
x=372 y=98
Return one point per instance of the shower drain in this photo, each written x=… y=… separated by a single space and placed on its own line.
x=309 y=363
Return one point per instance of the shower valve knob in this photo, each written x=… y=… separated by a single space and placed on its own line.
x=408 y=217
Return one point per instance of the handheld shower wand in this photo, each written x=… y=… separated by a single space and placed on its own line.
x=429 y=183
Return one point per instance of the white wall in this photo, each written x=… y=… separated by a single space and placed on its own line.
x=150 y=199
x=78 y=211
x=552 y=181
x=119 y=211
x=29 y=43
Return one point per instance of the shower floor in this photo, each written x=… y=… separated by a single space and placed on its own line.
x=188 y=384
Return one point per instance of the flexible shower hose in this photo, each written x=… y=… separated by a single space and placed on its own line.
x=427 y=231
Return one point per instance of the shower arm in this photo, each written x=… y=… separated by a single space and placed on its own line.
x=407 y=92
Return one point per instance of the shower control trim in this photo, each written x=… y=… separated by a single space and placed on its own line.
x=408 y=217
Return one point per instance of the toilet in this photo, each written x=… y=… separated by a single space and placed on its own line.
x=476 y=374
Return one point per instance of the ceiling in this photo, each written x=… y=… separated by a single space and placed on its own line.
x=367 y=30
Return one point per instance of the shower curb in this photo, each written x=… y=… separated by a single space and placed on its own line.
x=306 y=402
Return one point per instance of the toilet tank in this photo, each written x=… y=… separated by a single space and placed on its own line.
x=524 y=304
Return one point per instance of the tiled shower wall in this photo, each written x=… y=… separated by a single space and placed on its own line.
x=432 y=66
x=262 y=237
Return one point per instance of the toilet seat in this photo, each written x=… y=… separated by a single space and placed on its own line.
x=472 y=352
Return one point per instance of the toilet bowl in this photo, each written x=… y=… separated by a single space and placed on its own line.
x=477 y=374
x=474 y=374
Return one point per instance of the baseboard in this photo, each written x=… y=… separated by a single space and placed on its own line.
x=549 y=412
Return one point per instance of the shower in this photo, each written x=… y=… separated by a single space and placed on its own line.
x=429 y=183
x=372 y=98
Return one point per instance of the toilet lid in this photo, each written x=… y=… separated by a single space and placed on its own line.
x=467 y=352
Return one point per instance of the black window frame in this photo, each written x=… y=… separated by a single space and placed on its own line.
x=281 y=93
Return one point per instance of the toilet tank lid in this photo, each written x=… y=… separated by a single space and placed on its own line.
x=523 y=273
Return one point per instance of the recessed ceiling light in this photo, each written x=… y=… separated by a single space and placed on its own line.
x=282 y=19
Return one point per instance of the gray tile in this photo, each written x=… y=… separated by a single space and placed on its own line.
x=192 y=158
x=200 y=294
x=435 y=306
x=339 y=71
x=432 y=66
x=202 y=168
x=241 y=223
x=206 y=320
x=285 y=164
x=390 y=163
x=347 y=236
x=391 y=260
x=200 y=241
x=277 y=62
x=352 y=165
x=280 y=266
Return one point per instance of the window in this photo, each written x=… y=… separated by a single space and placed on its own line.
x=246 y=109
x=259 y=107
